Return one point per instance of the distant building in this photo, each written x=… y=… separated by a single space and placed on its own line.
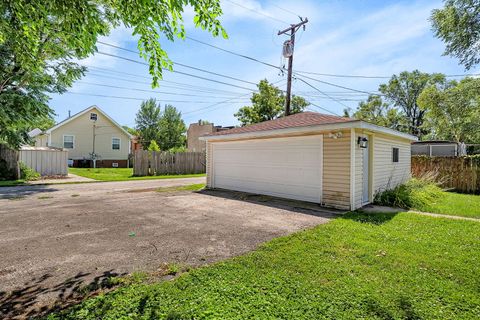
x=198 y=129
x=91 y=137
x=438 y=148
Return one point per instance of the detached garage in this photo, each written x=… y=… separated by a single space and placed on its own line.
x=334 y=161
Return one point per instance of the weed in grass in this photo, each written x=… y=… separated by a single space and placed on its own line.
x=45 y=197
x=415 y=193
x=191 y=187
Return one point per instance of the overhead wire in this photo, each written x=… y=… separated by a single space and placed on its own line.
x=176 y=71
x=258 y=12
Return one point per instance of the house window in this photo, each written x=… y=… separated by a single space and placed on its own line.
x=68 y=142
x=115 y=143
x=93 y=116
x=395 y=154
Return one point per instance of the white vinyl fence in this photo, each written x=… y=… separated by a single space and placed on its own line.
x=46 y=161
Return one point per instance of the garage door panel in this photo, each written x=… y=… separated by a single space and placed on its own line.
x=284 y=167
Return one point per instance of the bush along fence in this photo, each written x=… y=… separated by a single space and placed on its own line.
x=461 y=174
x=149 y=163
x=9 y=166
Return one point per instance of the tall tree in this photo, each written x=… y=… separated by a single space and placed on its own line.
x=147 y=122
x=77 y=24
x=268 y=104
x=454 y=111
x=458 y=25
x=39 y=40
x=378 y=112
x=172 y=129
x=403 y=90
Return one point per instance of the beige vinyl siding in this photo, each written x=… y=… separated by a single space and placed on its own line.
x=82 y=130
x=336 y=171
x=41 y=140
x=359 y=173
x=209 y=164
x=386 y=174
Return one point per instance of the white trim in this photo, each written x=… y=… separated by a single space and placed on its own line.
x=119 y=144
x=49 y=131
x=352 y=169
x=321 y=169
x=63 y=141
x=355 y=124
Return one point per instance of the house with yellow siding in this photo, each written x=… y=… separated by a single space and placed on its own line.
x=91 y=137
x=334 y=161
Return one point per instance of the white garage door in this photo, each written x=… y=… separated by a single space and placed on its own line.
x=282 y=167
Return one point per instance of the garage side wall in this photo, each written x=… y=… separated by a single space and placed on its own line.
x=209 y=164
x=386 y=173
x=336 y=171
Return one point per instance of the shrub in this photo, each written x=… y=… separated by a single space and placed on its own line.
x=27 y=173
x=415 y=193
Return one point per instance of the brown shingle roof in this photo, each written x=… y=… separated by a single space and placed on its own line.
x=302 y=119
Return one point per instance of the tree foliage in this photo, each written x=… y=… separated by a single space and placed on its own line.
x=378 y=112
x=453 y=112
x=153 y=146
x=458 y=24
x=30 y=26
x=39 y=40
x=147 y=122
x=166 y=128
x=172 y=129
x=402 y=92
x=268 y=104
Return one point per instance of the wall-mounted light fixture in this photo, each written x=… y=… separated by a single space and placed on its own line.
x=335 y=135
x=362 y=142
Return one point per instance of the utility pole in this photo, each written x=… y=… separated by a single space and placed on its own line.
x=288 y=48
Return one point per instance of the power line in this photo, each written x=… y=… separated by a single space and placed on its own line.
x=132 y=98
x=258 y=12
x=222 y=102
x=181 y=64
x=179 y=72
x=235 y=54
x=180 y=85
x=334 y=85
x=334 y=99
x=144 y=90
x=375 y=77
x=286 y=10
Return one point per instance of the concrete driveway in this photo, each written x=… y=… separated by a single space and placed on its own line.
x=57 y=239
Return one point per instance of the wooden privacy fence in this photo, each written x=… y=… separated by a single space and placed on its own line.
x=148 y=163
x=459 y=173
x=46 y=161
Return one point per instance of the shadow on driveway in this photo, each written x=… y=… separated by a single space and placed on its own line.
x=20 y=192
x=274 y=202
x=19 y=304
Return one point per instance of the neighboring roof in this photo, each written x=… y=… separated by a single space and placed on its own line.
x=301 y=122
x=35 y=132
x=434 y=142
x=82 y=113
x=302 y=119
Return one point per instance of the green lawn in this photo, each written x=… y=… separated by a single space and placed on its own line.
x=11 y=183
x=120 y=174
x=465 y=205
x=360 y=266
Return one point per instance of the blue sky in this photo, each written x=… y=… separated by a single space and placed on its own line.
x=374 y=38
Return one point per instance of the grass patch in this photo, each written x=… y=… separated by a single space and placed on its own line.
x=360 y=266
x=45 y=197
x=190 y=187
x=11 y=183
x=75 y=195
x=451 y=203
x=121 y=174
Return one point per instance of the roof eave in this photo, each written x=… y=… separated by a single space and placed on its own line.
x=356 y=124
